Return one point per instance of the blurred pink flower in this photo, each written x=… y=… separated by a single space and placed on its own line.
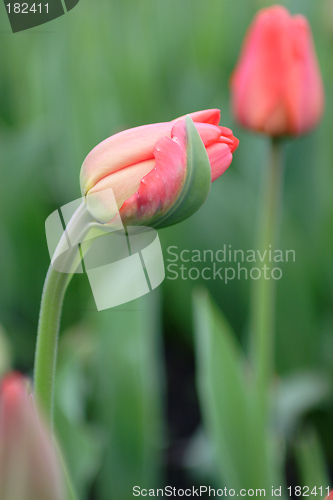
x=28 y=461
x=276 y=85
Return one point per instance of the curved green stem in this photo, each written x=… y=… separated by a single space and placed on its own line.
x=50 y=312
x=47 y=339
x=262 y=316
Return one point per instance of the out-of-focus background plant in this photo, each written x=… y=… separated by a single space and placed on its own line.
x=127 y=410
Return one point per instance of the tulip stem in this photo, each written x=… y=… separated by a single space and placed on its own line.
x=47 y=339
x=263 y=293
x=49 y=319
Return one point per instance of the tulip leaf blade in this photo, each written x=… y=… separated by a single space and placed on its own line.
x=310 y=461
x=225 y=394
x=198 y=180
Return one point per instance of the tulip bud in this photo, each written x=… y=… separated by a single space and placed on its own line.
x=160 y=174
x=28 y=463
x=276 y=85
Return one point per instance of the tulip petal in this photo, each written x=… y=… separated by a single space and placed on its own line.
x=159 y=188
x=29 y=467
x=124 y=183
x=211 y=116
x=177 y=186
x=121 y=150
x=305 y=79
x=209 y=133
x=220 y=158
x=132 y=146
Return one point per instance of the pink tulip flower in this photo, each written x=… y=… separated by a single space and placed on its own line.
x=159 y=173
x=276 y=86
x=28 y=464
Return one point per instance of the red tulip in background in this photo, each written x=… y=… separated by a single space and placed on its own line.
x=149 y=168
x=276 y=86
x=28 y=463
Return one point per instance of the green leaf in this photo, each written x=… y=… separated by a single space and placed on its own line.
x=5 y=352
x=311 y=461
x=198 y=179
x=239 y=442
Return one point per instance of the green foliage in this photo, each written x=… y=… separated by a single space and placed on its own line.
x=311 y=462
x=5 y=354
x=248 y=447
x=224 y=379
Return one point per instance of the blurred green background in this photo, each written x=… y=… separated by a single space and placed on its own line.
x=127 y=410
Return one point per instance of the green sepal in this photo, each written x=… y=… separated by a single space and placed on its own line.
x=198 y=180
